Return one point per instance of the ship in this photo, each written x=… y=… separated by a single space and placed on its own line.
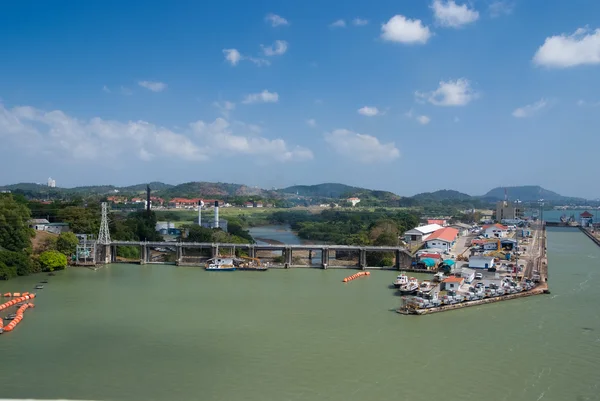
x=410 y=288
x=401 y=280
x=220 y=264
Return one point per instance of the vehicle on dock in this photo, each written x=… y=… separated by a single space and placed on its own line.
x=411 y=287
x=439 y=277
x=426 y=301
x=401 y=279
x=220 y=264
x=452 y=298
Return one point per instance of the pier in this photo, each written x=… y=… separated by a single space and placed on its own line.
x=107 y=253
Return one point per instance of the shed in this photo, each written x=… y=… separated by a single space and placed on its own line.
x=453 y=283
x=481 y=262
x=468 y=275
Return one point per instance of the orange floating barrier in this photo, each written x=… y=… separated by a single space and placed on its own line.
x=355 y=276
x=7 y=295
x=16 y=294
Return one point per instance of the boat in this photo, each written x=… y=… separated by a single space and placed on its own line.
x=220 y=264
x=39 y=287
x=439 y=277
x=426 y=286
x=411 y=287
x=401 y=279
x=250 y=264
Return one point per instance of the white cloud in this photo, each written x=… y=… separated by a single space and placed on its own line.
x=153 y=86
x=225 y=107
x=233 y=56
x=450 y=93
x=276 y=20
x=403 y=30
x=338 y=24
x=499 y=8
x=311 y=122
x=55 y=133
x=105 y=89
x=262 y=97
x=449 y=14
x=369 y=111
x=360 y=22
x=423 y=120
x=562 y=51
x=277 y=49
x=360 y=147
x=530 y=109
x=258 y=61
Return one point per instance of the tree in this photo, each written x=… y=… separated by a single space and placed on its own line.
x=19 y=261
x=82 y=220
x=53 y=260
x=15 y=235
x=199 y=234
x=7 y=272
x=67 y=243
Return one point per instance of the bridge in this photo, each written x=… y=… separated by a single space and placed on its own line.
x=107 y=252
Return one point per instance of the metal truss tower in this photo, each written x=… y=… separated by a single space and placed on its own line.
x=104 y=235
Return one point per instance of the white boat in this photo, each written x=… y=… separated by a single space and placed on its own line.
x=411 y=287
x=220 y=264
x=401 y=280
x=439 y=277
x=426 y=286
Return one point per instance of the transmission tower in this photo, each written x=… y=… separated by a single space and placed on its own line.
x=104 y=235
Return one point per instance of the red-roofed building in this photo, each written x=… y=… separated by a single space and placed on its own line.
x=184 y=203
x=430 y=256
x=495 y=230
x=440 y=222
x=443 y=238
x=587 y=219
x=453 y=283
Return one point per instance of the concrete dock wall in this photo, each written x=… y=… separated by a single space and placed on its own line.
x=590 y=235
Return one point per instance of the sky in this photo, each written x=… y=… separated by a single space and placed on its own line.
x=401 y=95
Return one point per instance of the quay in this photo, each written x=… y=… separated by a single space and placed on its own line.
x=107 y=252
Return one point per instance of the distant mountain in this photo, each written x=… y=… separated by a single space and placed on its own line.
x=527 y=193
x=217 y=189
x=337 y=191
x=154 y=186
x=41 y=189
x=442 y=194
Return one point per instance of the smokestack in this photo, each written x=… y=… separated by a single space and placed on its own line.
x=200 y=204
x=216 y=214
x=148 y=199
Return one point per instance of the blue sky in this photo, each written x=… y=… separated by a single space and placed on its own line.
x=407 y=96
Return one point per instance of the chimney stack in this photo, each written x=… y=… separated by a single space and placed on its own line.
x=148 y=199
x=216 y=214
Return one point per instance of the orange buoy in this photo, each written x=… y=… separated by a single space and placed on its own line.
x=16 y=294
x=7 y=294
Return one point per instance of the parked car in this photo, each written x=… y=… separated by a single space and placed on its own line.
x=478 y=276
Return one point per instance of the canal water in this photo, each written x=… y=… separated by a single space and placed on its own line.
x=130 y=332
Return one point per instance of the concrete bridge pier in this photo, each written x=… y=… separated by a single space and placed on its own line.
x=398 y=259
x=105 y=254
x=143 y=254
x=215 y=250
x=179 y=256
x=113 y=254
x=362 y=258
x=310 y=257
x=324 y=257
x=252 y=251
x=287 y=257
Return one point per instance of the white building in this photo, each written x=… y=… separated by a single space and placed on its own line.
x=463 y=229
x=353 y=201
x=420 y=234
x=495 y=231
x=444 y=238
x=51 y=182
x=481 y=262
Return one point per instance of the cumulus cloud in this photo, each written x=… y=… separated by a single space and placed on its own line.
x=276 y=20
x=338 y=24
x=311 y=122
x=369 y=111
x=499 y=8
x=403 y=30
x=360 y=147
x=449 y=14
x=450 y=93
x=277 y=49
x=233 y=56
x=225 y=107
x=530 y=109
x=262 y=97
x=563 y=51
x=153 y=86
x=56 y=133
x=359 y=22
x=423 y=120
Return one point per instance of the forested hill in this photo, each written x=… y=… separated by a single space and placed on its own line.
x=337 y=191
x=528 y=193
x=443 y=194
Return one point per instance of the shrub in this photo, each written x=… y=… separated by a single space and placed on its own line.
x=53 y=260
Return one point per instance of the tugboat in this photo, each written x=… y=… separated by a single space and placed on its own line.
x=411 y=287
x=401 y=280
x=220 y=264
x=426 y=286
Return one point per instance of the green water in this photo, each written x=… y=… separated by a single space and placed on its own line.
x=130 y=332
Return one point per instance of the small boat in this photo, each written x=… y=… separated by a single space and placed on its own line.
x=439 y=277
x=401 y=280
x=220 y=264
x=411 y=287
x=39 y=287
x=44 y=282
x=426 y=286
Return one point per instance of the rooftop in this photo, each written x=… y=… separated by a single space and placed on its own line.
x=426 y=229
x=497 y=225
x=447 y=234
x=586 y=214
x=453 y=279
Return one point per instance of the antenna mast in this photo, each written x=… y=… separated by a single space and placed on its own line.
x=104 y=235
